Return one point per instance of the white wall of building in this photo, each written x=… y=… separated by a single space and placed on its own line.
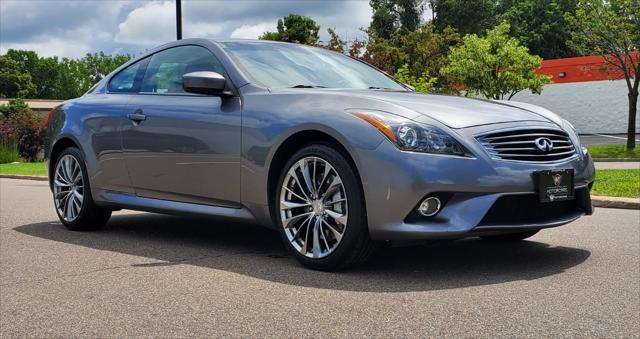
x=592 y=107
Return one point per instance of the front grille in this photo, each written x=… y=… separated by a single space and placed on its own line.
x=520 y=145
x=527 y=209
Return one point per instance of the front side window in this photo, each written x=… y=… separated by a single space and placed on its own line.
x=125 y=79
x=292 y=65
x=166 y=68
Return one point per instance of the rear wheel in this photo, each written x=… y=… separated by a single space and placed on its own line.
x=510 y=236
x=320 y=210
x=72 y=194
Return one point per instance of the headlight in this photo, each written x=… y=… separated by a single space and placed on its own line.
x=568 y=127
x=408 y=135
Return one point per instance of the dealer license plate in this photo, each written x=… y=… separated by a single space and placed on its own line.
x=555 y=185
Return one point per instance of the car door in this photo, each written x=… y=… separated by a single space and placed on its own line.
x=181 y=146
x=102 y=117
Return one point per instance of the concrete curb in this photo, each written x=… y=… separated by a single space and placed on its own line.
x=616 y=160
x=598 y=201
x=24 y=177
x=615 y=202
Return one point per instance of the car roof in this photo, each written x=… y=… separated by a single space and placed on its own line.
x=248 y=40
x=221 y=41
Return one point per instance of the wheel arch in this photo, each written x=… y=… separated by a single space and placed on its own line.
x=60 y=145
x=293 y=143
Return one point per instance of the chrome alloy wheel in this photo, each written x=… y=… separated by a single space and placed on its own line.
x=313 y=207
x=68 y=188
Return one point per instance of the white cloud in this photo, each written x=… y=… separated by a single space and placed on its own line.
x=253 y=31
x=202 y=30
x=72 y=28
x=58 y=28
x=154 y=23
x=150 y=24
x=47 y=46
x=347 y=20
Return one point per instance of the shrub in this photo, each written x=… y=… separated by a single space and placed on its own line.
x=8 y=152
x=16 y=109
x=30 y=141
x=20 y=131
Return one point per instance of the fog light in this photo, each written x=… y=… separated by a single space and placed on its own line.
x=430 y=206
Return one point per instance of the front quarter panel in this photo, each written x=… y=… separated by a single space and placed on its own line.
x=93 y=123
x=269 y=119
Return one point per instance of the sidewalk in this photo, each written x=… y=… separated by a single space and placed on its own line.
x=617 y=165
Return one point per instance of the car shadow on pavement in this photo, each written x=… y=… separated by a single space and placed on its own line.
x=258 y=252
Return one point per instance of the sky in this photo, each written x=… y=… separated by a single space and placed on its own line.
x=73 y=28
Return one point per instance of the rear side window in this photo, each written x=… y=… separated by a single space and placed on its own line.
x=125 y=79
x=165 y=69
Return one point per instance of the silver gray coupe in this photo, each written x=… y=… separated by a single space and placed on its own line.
x=334 y=154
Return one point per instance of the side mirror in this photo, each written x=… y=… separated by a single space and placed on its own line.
x=204 y=83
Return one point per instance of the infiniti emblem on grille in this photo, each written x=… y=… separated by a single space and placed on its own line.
x=544 y=144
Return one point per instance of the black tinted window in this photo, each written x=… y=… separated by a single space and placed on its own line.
x=165 y=69
x=125 y=79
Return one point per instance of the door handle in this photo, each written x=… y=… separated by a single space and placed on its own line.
x=137 y=116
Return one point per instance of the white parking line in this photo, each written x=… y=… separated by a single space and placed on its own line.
x=613 y=137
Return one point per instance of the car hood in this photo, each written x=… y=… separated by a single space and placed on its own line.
x=456 y=112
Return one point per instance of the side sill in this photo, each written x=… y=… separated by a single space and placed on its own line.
x=133 y=202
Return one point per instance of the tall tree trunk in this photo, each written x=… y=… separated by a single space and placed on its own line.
x=633 y=111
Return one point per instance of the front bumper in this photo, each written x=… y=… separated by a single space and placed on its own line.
x=480 y=191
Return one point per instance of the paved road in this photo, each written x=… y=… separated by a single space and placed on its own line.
x=150 y=275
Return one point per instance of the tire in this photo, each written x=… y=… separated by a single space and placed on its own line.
x=339 y=221
x=510 y=237
x=69 y=193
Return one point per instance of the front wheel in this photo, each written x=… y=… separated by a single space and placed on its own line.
x=72 y=194
x=320 y=210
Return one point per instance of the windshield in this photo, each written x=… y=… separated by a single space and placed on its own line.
x=290 y=65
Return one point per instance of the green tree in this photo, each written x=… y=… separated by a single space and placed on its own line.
x=391 y=16
x=356 y=48
x=495 y=66
x=71 y=83
x=47 y=76
x=611 y=28
x=335 y=42
x=95 y=66
x=383 y=54
x=424 y=83
x=13 y=82
x=295 y=28
x=273 y=36
x=540 y=25
x=27 y=60
x=467 y=17
x=425 y=51
x=55 y=78
x=383 y=22
x=45 y=72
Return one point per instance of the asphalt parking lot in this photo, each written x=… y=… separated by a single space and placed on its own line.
x=153 y=275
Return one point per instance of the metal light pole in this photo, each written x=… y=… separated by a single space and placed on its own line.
x=179 y=19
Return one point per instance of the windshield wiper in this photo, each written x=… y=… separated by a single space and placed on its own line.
x=308 y=86
x=374 y=87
